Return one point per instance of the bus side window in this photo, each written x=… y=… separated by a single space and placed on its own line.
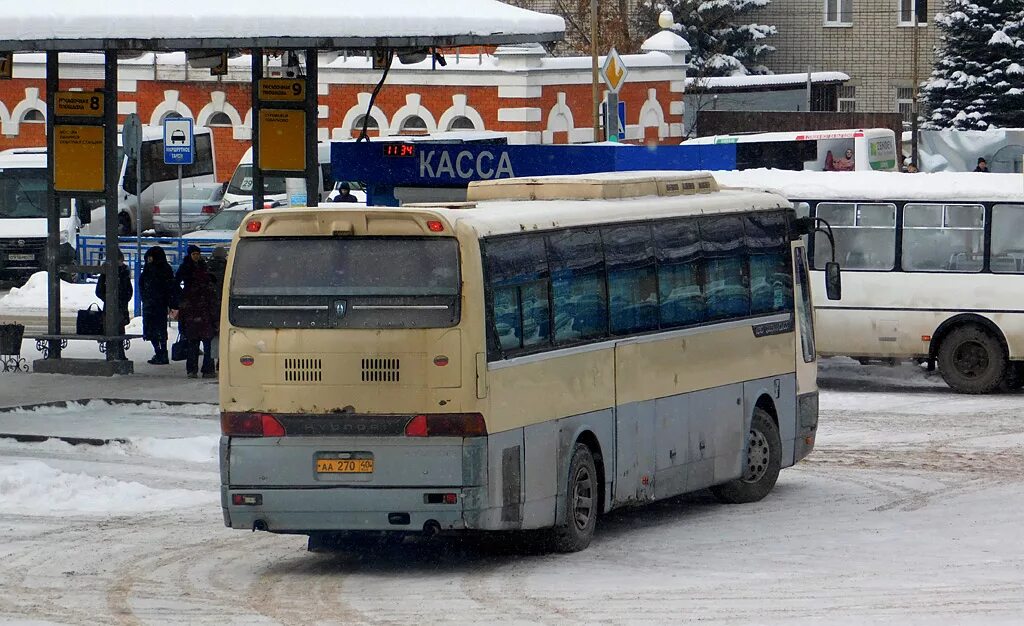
x=771 y=275
x=943 y=238
x=680 y=273
x=865 y=235
x=517 y=277
x=576 y=262
x=1007 y=254
x=726 y=281
x=632 y=294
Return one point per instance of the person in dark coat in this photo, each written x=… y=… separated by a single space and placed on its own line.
x=160 y=294
x=184 y=274
x=124 y=297
x=198 y=319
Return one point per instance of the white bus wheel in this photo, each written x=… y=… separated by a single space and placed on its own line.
x=971 y=360
x=581 y=501
x=762 y=461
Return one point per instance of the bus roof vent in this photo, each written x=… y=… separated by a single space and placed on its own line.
x=602 y=186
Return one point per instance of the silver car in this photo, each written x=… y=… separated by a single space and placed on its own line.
x=198 y=203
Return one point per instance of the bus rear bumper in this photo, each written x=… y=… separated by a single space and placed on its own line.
x=299 y=511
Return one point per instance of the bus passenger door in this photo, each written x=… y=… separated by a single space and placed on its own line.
x=806 y=363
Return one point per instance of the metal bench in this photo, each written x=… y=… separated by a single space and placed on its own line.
x=43 y=341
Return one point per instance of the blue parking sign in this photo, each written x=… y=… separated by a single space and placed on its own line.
x=179 y=141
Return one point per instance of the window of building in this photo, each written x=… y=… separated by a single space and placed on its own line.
x=371 y=123
x=847 y=100
x=905 y=104
x=461 y=123
x=911 y=9
x=943 y=238
x=865 y=235
x=219 y=118
x=838 y=12
x=33 y=116
x=413 y=125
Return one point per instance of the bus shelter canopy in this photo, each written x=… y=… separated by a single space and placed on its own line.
x=206 y=25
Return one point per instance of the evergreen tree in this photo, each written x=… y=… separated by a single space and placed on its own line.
x=723 y=45
x=978 y=82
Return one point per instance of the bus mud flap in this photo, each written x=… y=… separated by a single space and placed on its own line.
x=511 y=485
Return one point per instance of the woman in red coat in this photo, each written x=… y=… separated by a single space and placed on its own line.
x=198 y=318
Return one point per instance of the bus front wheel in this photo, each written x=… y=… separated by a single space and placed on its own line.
x=762 y=462
x=971 y=360
x=581 y=501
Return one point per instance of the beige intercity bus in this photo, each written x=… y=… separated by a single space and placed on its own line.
x=552 y=349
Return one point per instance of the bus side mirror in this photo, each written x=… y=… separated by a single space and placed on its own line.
x=84 y=208
x=803 y=225
x=833 y=281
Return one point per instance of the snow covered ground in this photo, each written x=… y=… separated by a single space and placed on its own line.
x=908 y=512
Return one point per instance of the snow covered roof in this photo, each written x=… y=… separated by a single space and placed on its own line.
x=957 y=186
x=766 y=81
x=196 y=24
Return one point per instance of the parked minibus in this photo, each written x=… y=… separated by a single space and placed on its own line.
x=869 y=149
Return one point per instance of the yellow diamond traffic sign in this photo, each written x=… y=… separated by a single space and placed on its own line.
x=614 y=71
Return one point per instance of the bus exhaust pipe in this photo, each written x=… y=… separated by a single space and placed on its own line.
x=431 y=528
x=259 y=525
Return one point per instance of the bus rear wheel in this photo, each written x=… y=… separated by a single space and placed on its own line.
x=971 y=360
x=581 y=503
x=761 y=463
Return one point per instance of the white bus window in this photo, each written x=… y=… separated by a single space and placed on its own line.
x=679 y=273
x=771 y=277
x=517 y=274
x=943 y=238
x=1007 y=243
x=577 y=285
x=632 y=286
x=728 y=294
x=865 y=235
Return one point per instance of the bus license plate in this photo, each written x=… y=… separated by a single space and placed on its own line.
x=344 y=466
x=21 y=257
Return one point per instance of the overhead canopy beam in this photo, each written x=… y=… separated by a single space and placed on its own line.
x=128 y=25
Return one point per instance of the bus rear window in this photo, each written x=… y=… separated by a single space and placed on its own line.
x=364 y=266
x=350 y=282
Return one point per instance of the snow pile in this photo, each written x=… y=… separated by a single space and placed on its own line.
x=128 y=409
x=201 y=449
x=34 y=295
x=35 y=488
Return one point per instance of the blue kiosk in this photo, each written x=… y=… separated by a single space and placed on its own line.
x=396 y=171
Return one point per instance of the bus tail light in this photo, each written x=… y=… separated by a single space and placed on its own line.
x=156 y=210
x=447 y=425
x=209 y=209
x=251 y=425
x=435 y=226
x=253 y=226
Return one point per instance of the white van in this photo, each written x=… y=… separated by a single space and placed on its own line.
x=862 y=150
x=158 y=179
x=23 y=187
x=276 y=188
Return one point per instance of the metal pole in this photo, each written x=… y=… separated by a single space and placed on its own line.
x=112 y=308
x=808 y=88
x=138 y=226
x=313 y=176
x=52 y=209
x=593 y=70
x=257 y=173
x=914 y=104
x=180 y=228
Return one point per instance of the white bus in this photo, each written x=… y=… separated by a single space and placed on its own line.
x=158 y=179
x=869 y=149
x=550 y=350
x=933 y=264
x=23 y=227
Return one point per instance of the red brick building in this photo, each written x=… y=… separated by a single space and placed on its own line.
x=519 y=90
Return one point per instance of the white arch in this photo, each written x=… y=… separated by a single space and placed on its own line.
x=413 y=107
x=458 y=109
x=30 y=103
x=560 y=119
x=170 y=104
x=5 y=120
x=652 y=115
x=218 y=104
x=353 y=114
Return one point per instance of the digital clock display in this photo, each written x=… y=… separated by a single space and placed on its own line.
x=399 y=150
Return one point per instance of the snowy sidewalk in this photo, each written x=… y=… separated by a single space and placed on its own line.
x=98 y=421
